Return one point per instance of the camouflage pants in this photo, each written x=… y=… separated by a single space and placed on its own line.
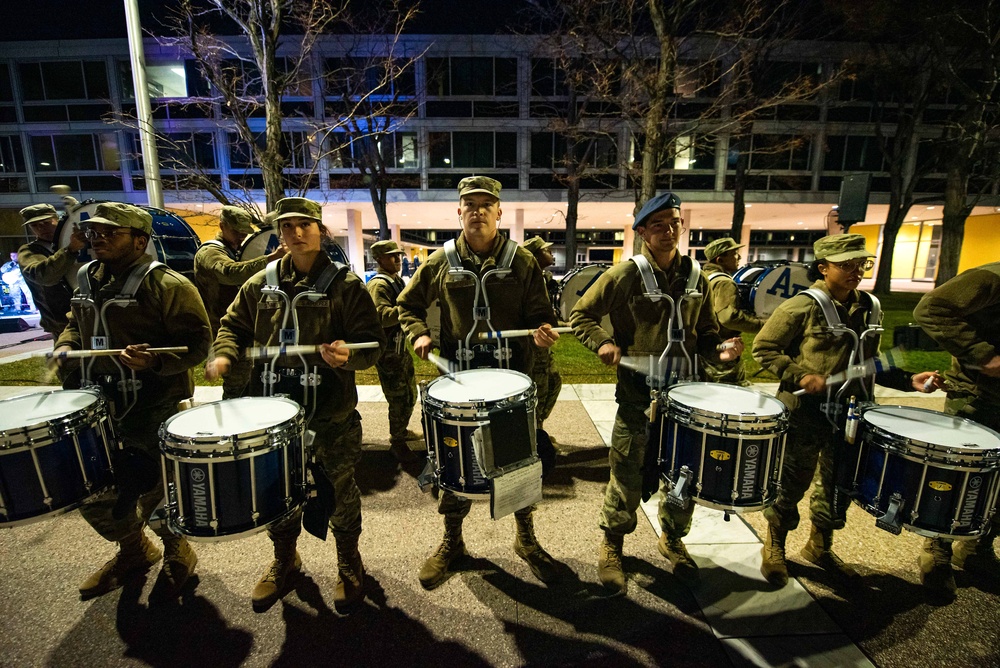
x=731 y=373
x=140 y=430
x=399 y=385
x=456 y=508
x=547 y=381
x=811 y=440
x=624 y=491
x=234 y=385
x=337 y=448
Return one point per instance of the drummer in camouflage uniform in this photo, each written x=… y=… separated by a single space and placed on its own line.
x=547 y=380
x=218 y=273
x=165 y=311
x=641 y=329
x=518 y=300
x=723 y=257
x=395 y=366
x=795 y=345
x=963 y=316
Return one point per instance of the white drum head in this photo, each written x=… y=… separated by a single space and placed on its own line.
x=231 y=417
x=42 y=407
x=725 y=399
x=258 y=244
x=778 y=284
x=478 y=385
x=573 y=286
x=927 y=426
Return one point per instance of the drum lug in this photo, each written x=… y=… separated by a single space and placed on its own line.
x=309 y=379
x=678 y=494
x=891 y=521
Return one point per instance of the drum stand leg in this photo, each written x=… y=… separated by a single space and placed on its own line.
x=47 y=499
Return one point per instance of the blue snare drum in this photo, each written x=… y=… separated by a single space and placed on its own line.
x=454 y=409
x=721 y=445
x=934 y=474
x=233 y=467
x=54 y=453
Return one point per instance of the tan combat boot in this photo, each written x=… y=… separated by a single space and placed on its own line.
x=179 y=561
x=350 y=588
x=977 y=556
x=527 y=547
x=279 y=576
x=136 y=554
x=685 y=568
x=609 y=563
x=818 y=551
x=773 y=566
x=401 y=451
x=934 y=563
x=434 y=570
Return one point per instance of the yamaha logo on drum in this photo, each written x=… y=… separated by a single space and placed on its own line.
x=971 y=500
x=199 y=497
x=749 y=478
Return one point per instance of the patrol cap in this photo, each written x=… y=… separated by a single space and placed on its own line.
x=535 y=244
x=841 y=247
x=479 y=184
x=119 y=214
x=36 y=213
x=383 y=248
x=654 y=206
x=720 y=246
x=297 y=206
x=237 y=218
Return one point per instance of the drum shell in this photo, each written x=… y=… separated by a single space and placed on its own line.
x=69 y=455
x=765 y=286
x=221 y=488
x=734 y=460
x=946 y=491
x=449 y=428
x=574 y=285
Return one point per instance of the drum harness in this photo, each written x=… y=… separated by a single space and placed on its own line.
x=272 y=291
x=224 y=247
x=856 y=369
x=128 y=385
x=657 y=378
x=466 y=353
x=399 y=340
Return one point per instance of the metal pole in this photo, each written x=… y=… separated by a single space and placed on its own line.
x=150 y=159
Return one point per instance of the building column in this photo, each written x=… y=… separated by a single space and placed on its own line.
x=628 y=242
x=745 y=241
x=517 y=229
x=684 y=242
x=394 y=232
x=355 y=242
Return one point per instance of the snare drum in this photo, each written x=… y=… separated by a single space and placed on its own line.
x=454 y=410
x=764 y=287
x=924 y=471
x=573 y=286
x=721 y=445
x=233 y=467
x=54 y=453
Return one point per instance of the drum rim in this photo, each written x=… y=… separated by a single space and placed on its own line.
x=773 y=416
x=164 y=432
x=58 y=427
x=173 y=523
x=928 y=444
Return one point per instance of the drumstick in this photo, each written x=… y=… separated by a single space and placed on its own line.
x=514 y=333
x=73 y=354
x=725 y=345
x=446 y=366
x=271 y=351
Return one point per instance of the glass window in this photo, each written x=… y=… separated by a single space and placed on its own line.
x=471 y=76
x=472 y=149
x=440 y=149
x=43 y=153
x=11 y=154
x=31 y=81
x=543 y=81
x=79 y=152
x=542 y=150
x=6 y=92
x=64 y=80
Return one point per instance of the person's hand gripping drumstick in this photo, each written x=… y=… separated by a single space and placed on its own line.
x=730 y=350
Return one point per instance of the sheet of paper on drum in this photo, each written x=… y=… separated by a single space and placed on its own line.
x=515 y=490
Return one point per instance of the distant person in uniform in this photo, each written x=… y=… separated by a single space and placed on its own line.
x=547 y=380
x=723 y=257
x=405 y=266
x=219 y=274
x=416 y=264
x=394 y=366
x=44 y=267
x=963 y=316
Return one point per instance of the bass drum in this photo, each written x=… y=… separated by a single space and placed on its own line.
x=573 y=285
x=173 y=242
x=262 y=242
x=764 y=286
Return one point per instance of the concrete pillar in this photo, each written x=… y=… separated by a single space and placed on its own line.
x=685 y=241
x=394 y=232
x=517 y=229
x=355 y=242
x=745 y=241
x=628 y=242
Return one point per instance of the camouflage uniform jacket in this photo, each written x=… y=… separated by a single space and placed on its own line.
x=45 y=271
x=348 y=314
x=167 y=312
x=517 y=301
x=733 y=320
x=641 y=325
x=385 y=289
x=219 y=276
x=963 y=315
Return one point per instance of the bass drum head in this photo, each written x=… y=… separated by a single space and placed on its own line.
x=926 y=426
x=777 y=284
x=173 y=242
x=715 y=398
x=573 y=286
x=262 y=242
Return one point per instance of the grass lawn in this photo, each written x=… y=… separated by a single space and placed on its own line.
x=575 y=362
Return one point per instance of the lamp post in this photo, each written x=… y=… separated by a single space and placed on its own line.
x=150 y=159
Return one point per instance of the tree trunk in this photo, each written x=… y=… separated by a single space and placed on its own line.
x=956 y=210
x=572 y=215
x=739 y=189
x=893 y=221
